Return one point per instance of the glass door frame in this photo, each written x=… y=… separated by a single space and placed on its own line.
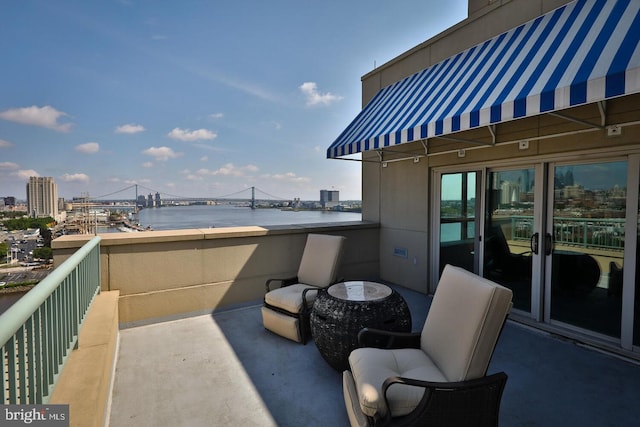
x=537 y=261
x=543 y=219
x=630 y=255
x=631 y=232
x=434 y=241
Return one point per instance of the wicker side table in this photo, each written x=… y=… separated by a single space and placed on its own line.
x=342 y=310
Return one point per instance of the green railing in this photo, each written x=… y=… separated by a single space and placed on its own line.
x=39 y=331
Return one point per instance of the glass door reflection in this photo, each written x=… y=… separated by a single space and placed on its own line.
x=458 y=219
x=510 y=238
x=587 y=236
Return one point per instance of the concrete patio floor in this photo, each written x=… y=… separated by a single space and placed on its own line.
x=224 y=369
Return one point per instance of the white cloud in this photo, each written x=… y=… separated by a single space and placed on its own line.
x=130 y=128
x=231 y=170
x=9 y=165
x=276 y=125
x=204 y=158
x=5 y=144
x=216 y=116
x=88 y=148
x=46 y=117
x=75 y=177
x=290 y=177
x=25 y=173
x=310 y=91
x=161 y=154
x=228 y=169
x=147 y=165
x=189 y=136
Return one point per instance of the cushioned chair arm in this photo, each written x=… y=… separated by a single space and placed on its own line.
x=283 y=282
x=369 y=337
x=474 y=402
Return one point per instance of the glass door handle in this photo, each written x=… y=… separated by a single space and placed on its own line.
x=548 y=244
x=533 y=243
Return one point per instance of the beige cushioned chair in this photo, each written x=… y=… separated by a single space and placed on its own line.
x=400 y=386
x=286 y=309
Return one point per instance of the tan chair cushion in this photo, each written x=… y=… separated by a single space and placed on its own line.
x=371 y=366
x=320 y=259
x=289 y=298
x=281 y=324
x=464 y=322
x=356 y=417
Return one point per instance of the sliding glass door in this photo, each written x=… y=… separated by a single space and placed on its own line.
x=587 y=211
x=563 y=236
x=512 y=233
x=459 y=220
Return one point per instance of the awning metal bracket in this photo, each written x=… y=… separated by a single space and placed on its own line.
x=465 y=141
x=575 y=120
x=492 y=131
x=424 y=144
x=602 y=107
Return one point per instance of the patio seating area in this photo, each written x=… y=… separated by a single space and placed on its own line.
x=226 y=369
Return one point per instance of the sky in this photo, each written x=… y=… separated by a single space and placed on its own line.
x=193 y=98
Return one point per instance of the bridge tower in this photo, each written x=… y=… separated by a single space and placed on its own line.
x=253 y=197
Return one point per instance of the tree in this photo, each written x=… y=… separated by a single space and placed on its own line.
x=3 y=249
x=45 y=233
x=43 y=253
x=25 y=223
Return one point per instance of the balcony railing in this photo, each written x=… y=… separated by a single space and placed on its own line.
x=40 y=330
x=601 y=233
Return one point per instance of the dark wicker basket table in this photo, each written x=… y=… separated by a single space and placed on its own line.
x=343 y=309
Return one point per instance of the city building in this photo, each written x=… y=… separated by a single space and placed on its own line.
x=329 y=198
x=150 y=200
x=141 y=201
x=10 y=201
x=42 y=197
x=511 y=138
x=158 y=200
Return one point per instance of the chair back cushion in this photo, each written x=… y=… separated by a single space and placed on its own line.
x=464 y=322
x=320 y=259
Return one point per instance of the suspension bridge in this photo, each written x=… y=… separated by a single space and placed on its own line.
x=250 y=195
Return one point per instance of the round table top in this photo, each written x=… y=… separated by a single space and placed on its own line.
x=359 y=291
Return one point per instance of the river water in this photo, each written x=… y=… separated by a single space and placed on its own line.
x=202 y=216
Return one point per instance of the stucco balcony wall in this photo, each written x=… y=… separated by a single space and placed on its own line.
x=169 y=274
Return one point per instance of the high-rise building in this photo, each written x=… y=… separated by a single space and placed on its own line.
x=329 y=198
x=42 y=197
x=158 y=200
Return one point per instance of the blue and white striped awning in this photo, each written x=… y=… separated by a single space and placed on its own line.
x=584 y=52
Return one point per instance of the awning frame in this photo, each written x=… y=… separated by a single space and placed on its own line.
x=611 y=129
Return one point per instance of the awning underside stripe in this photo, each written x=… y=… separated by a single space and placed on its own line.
x=586 y=51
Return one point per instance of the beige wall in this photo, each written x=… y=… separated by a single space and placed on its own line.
x=398 y=196
x=161 y=274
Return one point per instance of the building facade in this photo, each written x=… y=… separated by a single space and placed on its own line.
x=42 y=197
x=509 y=145
x=329 y=199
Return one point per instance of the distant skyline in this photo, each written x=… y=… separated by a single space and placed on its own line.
x=194 y=99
